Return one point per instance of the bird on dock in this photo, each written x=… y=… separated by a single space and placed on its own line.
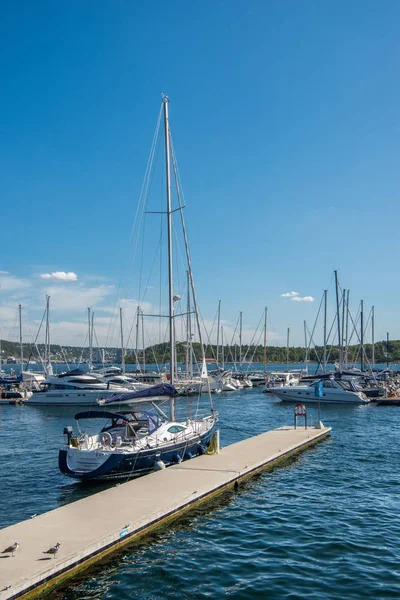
x=53 y=550
x=11 y=549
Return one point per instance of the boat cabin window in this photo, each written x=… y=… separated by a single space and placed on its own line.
x=328 y=384
x=85 y=380
x=176 y=429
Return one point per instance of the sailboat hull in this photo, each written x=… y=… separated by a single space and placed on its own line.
x=103 y=465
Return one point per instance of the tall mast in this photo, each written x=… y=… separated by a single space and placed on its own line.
x=240 y=338
x=387 y=350
x=188 y=340
x=169 y=222
x=189 y=345
x=137 y=341
x=47 y=337
x=338 y=319
x=306 y=345
x=143 y=344
x=362 y=334
x=343 y=321
x=287 y=349
x=218 y=326
x=91 y=341
x=122 y=342
x=21 y=352
x=265 y=341
x=325 y=312
x=347 y=325
x=222 y=347
x=373 y=336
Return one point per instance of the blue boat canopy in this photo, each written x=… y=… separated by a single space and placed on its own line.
x=160 y=389
x=101 y=414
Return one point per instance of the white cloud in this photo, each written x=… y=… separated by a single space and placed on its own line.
x=60 y=276
x=10 y=282
x=303 y=299
x=77 y=298
x=290 y=295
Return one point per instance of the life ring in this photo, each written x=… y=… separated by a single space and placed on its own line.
x=106 y=438
x=300 y=410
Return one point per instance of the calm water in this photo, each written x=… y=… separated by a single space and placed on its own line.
x=325 y=527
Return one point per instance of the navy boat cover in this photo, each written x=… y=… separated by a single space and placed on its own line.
x=161 y=389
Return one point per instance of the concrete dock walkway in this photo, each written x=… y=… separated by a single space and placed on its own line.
x=99 y=524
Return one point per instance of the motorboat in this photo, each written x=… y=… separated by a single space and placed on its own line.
x=243 y=379
x=75 y=388
x=257 y=379
x=342 y=391
x=281 y=379
x=13 y=390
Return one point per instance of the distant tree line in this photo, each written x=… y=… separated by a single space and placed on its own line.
x=159 y=353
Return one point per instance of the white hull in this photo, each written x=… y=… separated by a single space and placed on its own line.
x=69 y=398
x=307 y=396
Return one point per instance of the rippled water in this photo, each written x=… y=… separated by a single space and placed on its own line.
x=325 y=527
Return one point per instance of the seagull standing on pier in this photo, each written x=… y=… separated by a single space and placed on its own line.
x=11 y=549
x=53 y=550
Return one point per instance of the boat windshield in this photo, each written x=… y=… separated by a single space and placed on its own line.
x=347 y=385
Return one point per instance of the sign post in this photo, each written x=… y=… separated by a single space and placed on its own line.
x=319 y=392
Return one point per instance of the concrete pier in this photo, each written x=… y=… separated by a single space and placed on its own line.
x=92 y=528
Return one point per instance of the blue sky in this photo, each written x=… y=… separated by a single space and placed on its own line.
x=285 y=122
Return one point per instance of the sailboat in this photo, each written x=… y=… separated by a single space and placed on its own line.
x=139 y=436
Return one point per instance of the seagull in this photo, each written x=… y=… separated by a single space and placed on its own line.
x=11 y=549
x=53 y=550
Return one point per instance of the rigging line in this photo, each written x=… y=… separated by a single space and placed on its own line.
x=255 y=348
x=194 y=297
x=368 y=320
x=95 y=336
x=141 y=260
x=327 y=340
x=354 y=326
x=252 y=339
x=315 y=346
x=234 y=333
x=34 y=341
x=157 y=252
x=141 y=204
x=233 y=344
x=211 y=331
x=355 y=329
x=140 y=300
x=316 y=320
x=209 y=345
x=152 y=347
x=149 y=168
x=80 y=360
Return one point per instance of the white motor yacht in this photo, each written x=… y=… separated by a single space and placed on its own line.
x=343 y=391
x=281 y=379
x=73 y=388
